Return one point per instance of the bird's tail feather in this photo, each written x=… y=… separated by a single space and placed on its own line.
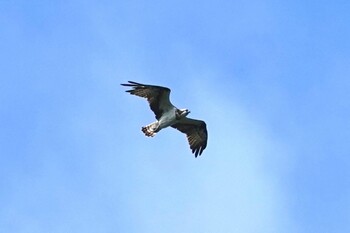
x=151 y=129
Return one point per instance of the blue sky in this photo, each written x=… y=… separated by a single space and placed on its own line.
x=270 y=78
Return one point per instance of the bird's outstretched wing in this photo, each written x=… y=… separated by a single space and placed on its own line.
x=196 y=132
x=157 y=96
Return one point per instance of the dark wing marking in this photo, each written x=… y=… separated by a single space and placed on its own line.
x=157 y=96
x=196 y=132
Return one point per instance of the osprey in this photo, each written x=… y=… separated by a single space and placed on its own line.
x=168 y=115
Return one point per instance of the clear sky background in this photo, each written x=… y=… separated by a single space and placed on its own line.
x=270 y=78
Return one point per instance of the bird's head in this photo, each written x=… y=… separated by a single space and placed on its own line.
x=184 y=112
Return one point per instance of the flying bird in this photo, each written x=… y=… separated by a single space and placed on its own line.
x=169 y=115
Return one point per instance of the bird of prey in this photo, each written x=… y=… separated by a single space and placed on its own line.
x=169 y=115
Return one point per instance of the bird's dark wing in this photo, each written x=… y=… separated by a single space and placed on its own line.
x=157 y=96
x=196 y=132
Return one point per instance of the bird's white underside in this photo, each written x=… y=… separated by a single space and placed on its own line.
x=167 y=119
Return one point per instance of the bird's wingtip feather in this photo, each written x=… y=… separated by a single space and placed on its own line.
x=131 y=84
